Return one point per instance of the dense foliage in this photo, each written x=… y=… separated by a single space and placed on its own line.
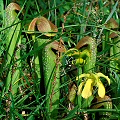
x=59 y=59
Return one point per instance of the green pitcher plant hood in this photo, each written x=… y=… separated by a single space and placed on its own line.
x=90 y=81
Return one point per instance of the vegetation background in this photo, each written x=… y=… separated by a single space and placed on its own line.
x=74 y=19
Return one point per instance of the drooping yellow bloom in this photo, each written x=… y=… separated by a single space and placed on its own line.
x=90 y=81
x=87 y=91
x=101 y=89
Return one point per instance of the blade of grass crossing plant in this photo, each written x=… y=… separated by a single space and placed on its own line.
x=18 y=115
x=1 y=9
x=20 y=101
x=82 y=28
x=110 y=15
x=114 y=63
x=112 y=12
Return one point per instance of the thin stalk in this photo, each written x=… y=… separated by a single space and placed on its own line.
x=79 y=97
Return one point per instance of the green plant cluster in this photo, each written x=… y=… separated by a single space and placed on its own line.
x=59 y=59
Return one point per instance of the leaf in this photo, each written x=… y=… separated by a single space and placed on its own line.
x=1 y=8
x=72 y=93
x=82 y=75
x=112 y=23
x=87 y=102
x=113 y=35
x=57 y=46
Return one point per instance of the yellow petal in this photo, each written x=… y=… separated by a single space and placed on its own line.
x=101 y=89
x=79 y=61
x=80 y=88
x=82 y=75
x=87 y=91
x=104 y=76
x=95 y=78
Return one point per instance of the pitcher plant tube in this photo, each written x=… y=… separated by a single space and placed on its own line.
x=47 y=60
x=12 y=33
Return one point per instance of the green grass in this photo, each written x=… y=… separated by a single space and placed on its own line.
x=22 y=87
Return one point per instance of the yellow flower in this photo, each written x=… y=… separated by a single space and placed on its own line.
x=80 y=57
x=90 y=81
